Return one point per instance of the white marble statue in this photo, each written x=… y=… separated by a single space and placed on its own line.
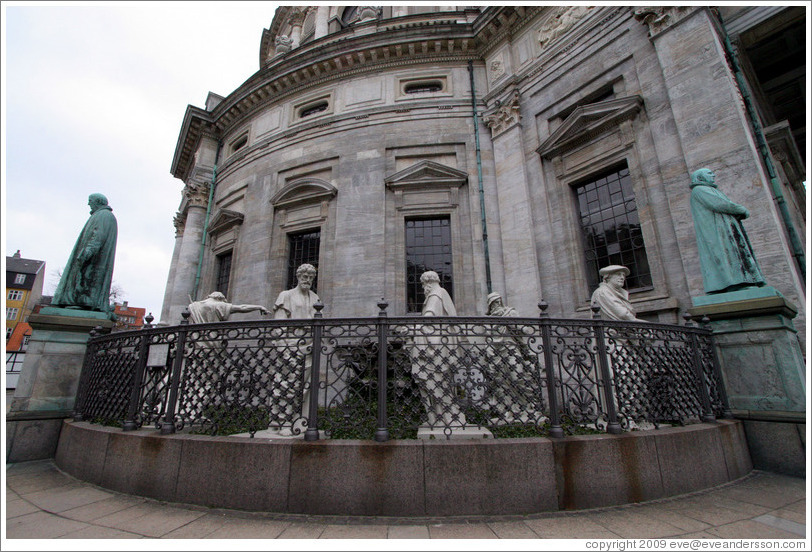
x=611 y=297
x=511 y=368
x=215 y=308
x=293 y=353
x=298 y=302
x=432 y=356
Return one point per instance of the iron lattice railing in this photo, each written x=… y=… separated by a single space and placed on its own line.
x=392 y=377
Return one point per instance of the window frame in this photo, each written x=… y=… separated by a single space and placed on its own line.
x=446 y=276
x=293 y=264
x=12 y=313
x=592 y=276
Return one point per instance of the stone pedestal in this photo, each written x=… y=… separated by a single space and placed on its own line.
x=764 y=372
x=49 y=380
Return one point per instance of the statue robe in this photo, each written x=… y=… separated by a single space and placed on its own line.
x=725 y=254
x=86 y=280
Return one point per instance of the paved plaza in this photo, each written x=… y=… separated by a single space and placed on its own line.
x=44 y=503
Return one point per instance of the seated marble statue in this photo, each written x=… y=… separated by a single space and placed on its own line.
x=725 y=254
x=512 y=371
x=215 y=308
x=611 y=297
x=298 y=302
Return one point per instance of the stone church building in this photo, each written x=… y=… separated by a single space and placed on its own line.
x=515 y=149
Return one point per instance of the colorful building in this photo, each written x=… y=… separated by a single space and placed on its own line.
x=129 y=318
x=24 y=281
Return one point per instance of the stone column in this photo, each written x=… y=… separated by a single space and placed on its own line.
x=322 y=18
x=173 y=266
x=296 y=20
x=522 y=285
x=189 y=253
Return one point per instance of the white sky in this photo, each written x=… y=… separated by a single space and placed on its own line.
x=93 y=97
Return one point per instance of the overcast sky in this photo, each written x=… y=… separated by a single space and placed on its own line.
x=93 y=98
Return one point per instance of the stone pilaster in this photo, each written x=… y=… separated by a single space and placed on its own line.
x=522 y=287
x=180 y=221
x=188 y=255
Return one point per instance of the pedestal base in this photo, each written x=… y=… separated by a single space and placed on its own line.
x=764 y=376
x=458 y=432
x=48 y=382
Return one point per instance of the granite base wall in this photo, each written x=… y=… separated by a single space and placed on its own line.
x=406 y=478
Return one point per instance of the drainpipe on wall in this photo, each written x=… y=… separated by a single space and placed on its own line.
x=761 y=142
x=206 y=221
x=479 y=174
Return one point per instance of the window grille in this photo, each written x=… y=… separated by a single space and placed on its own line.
x=303 y=248
x=223 y=273
x=428 y=247
x=611 y=228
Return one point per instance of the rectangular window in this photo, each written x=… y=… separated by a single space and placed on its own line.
x=11 y=313
x=19 y=279
x=223 y=273
x=15 y=295
x=611 y=228
x=428 y=247
x=303 y=248
x=8 y=332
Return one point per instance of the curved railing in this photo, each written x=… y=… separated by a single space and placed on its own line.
x=392 y=377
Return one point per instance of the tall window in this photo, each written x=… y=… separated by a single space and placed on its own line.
x=303 y=248
x=19 y=279
x=11 y=313
x=223 y=273
x=611 y=228
x=15 y=295
x=428 y=247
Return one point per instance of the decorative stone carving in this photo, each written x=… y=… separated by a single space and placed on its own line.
x=611 y=297
x=179 y=221
x=506 y=115
x=496 y=68
x=562 y=19
x=283 y=45
x=659 y=18
x=296 y=16
x=196 y=193
x=368 y=13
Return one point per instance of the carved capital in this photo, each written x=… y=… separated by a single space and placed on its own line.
x=659 y=18
x=179 y=222
x=367 y=13
x=562 y=19
x=296 y=16
x=506 y=115
x=196 y=194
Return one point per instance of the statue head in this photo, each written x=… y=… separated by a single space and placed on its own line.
x=429 y=279
x=217 y=296
x=95 y=201
x=614 y=275
x=305 y=275
x=494 y=301
x=703 y=177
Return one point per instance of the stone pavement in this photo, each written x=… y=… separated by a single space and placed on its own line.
x=44 y=503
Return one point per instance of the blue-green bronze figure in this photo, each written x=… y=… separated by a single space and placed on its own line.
x=85 y=282
x=725 y=253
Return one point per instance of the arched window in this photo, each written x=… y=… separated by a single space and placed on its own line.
x=349 y=15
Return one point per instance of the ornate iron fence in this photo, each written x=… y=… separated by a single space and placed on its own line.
x=395 y=377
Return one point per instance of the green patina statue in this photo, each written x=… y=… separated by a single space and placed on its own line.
x=85 y=282
x=725 y=253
